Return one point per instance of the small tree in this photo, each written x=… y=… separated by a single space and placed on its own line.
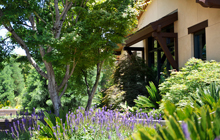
x=132 y=75
x=11 y=81
x=61 y=33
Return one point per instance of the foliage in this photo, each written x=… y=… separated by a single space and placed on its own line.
x=64 y=34
x=11 y=82
x=132 y=75
x=182 y=84
x=23 y=126
x=150 y=102
x=93 y=124
x=208 y=97
x=204 y=125
x=36 y=93
x=111 y=97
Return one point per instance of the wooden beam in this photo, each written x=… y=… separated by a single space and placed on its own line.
x=146 y=31
x=176 y=51
x=166 y=50
x=134 y=48
x=169 y=35
x=117 y=52
x=209 y=3
x=129 y=52
x=198 y=27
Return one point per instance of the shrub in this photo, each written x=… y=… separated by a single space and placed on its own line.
x=131 y=76
x=181 y=85
x=150 y=102
x=208 y=97
x=111 y=97
x=203 y=126
x=95 y=124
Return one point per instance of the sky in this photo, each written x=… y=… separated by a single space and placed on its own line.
x=17 y=50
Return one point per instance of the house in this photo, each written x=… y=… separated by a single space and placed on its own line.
x=172 y=31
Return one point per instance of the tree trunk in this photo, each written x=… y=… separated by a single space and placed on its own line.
x=52 y=88
x=89 y=103
x=92 y=93
x=55 y=99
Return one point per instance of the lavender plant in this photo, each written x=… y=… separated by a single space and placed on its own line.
x=95 y=124
x=24 y=126
x=80 y=124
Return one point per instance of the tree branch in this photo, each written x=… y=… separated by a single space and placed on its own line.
x=2 y=41
x=59 y=23
x=65 y=78
x=29 y=57
x=87 y=85
x=51 y=12
x=33 y=24
x=40 y=17
x=80 y=11
x=63 y=91
x=57 y=10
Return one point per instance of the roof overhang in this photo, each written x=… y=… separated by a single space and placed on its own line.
x=150 y=28
x=209 y=3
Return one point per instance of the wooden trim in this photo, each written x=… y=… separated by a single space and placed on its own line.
x=134 y=48
x=209 y=3
x=198 y=27
x=166 y=50
x=176 y=51
x=117 y=52
x=169 y=35
x=147 y=30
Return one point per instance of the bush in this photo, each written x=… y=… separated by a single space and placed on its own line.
x=111 y=97
x=131 y=76
x=150 y=102
x=203 y=125
x=180 y=86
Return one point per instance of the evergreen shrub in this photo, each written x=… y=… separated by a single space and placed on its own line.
x=184 y=84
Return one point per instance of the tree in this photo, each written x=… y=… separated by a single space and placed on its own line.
x=60 y=33
x=11 y=82
x=133 y=75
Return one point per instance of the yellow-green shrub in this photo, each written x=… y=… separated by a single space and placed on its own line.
x=185 y=83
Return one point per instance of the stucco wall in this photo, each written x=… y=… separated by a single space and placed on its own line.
x=189 y=13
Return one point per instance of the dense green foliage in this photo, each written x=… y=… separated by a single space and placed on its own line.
x=181 y=85
x=11 y=83
x=131 y=76
x=147 y=103
x=202 y=125
x=208 y=97
x=64 y=35
x=112 y=97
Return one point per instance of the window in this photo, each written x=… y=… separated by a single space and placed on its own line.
x=200 y=45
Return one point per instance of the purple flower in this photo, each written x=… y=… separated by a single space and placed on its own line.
x=12 y=130
x=38 y=127
x=17 y=134
x=76 y=128
x=217 y=138
x=185 y=131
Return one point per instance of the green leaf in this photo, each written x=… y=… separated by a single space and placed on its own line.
x=192 y=130
x=176 y=128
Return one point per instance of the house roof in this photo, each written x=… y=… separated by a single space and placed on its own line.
x=147 y=30
x=204 y=3
x=209 y=3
